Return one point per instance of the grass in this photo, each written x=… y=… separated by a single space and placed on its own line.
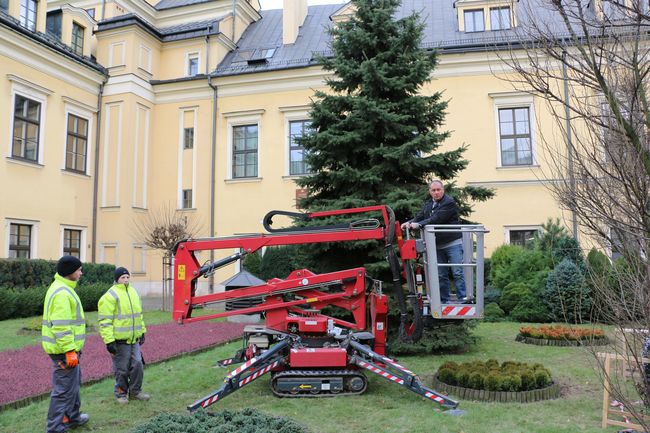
x=385 y=407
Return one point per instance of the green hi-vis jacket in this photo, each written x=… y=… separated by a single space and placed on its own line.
x=120 y=315
x=64 y=324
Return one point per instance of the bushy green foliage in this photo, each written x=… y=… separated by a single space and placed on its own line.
x=252 y=263
x=29 y=302
x=277 y=262
x=8 y=303
x=244 y=421
x=515 y=264
x=493 y=313
x=492 y=295
x=567 y=294
x=90 y=294
x=530 y=309
x=489 y=375
x=437 y=337
x=22 y=273
x=512 y=294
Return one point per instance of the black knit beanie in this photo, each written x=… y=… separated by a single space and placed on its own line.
x=121 y=271
x=67 y=265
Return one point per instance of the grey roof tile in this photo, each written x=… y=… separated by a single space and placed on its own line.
x=170 y=4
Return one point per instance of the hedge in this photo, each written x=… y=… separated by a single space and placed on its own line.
x=24 y=273
x=509 y=376
x=29 y=302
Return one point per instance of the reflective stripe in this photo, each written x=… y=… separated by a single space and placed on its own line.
x=105 y=325
x=80 y=337
x=128 y=316
x=78 y=321
x=48 y=339
x=62 y=334
x=103 y=316
x=134 y=328
x=62 y=322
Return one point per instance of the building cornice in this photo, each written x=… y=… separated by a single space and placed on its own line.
x=129 y=84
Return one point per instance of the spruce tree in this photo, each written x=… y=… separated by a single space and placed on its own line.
x=376 y=136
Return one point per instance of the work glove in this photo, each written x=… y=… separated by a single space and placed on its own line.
x=112 y=348
x=141 y=339
x=71 y=359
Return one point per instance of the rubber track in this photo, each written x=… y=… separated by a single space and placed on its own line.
x=316 y=373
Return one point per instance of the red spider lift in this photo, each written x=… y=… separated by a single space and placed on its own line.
x=307 y=352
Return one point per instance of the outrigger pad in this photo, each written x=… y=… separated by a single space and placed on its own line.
x=454 y=412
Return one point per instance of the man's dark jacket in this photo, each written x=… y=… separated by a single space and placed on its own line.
x=444 y=211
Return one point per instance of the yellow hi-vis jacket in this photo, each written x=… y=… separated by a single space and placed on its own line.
x=64 y=323
x=120 y=315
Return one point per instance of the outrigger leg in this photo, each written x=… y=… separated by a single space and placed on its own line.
x=244 y=374
x=368 y=359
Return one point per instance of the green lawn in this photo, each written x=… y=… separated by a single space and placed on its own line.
x=385 y=407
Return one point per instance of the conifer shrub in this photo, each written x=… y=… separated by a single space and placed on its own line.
x=530 y=309
x=512 y=294
x=508 y=376
x=493 y=313
x=567 y=294
x=244 y=421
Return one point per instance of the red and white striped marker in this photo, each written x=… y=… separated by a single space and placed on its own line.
x=241 y=368
x=434 y=397
x=257 y=374
x=458 y=311
x=383 y=373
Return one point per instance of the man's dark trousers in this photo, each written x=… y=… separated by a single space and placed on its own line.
x=64 y=400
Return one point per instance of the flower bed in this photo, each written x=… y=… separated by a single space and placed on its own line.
x=30 y=369
x=491 y=381
x=558 y=335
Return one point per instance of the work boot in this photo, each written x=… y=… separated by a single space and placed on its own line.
x=141 y=396
x=83 y=419
x=122 y=399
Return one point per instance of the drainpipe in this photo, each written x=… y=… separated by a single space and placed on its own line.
x=567 y=113
x=213 y=163
x=103 y=9
x=93 y=244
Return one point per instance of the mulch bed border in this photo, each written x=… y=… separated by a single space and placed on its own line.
x=548 y=393
x=35 y=398
x=595 y=341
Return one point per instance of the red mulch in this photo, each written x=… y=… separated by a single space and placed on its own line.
x=27 y=372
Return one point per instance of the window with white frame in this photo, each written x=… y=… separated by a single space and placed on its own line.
x=20 y=241
x=188 y=138
x=244 y=151
x=186 y=199
x=523 y=237
x=139 y=259
x=192 y=64
x=72 y=242
x=76 y=144
x=515 y=136
x=500 y=18
x=28 y=10
x=26 y=128
x=474 y=20
x=297 y=164
x=77 y=41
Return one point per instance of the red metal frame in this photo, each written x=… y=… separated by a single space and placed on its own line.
x=310 y=290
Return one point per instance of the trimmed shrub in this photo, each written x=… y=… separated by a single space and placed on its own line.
x=567 y=294
x=520 y=265
x=8 y=302
x=244 y=421
x=493 y=313
x=29 y=302
x=89 y=295
x=492 y=295
x=22 y=273
x=559 y=332
x=509 y=376
x=512 y=294
x=437 y=337
x=530 y=309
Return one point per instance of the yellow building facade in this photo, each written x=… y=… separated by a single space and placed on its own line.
x=194 y=105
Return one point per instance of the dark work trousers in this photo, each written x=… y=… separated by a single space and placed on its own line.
x=128 y=369
x=64 y=399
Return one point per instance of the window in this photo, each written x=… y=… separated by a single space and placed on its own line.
x=4 y=6
x=522 y=238
x=27 y=117
x=244 y=158
x=77 y=39
x=474 y=21
x=91 y=12
x=77 y=144
x=192 y=64
x=20 y=241
x=187 y=199
x=515 y=137
x=297 y=164
x=72 y=242
x=53 y=23
x=28 y=13
x=500 y=18
x=188 y=138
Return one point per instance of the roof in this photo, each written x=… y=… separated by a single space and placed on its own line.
x=170 y=4
x=441 y=32
x=51 y=42
x=166 y=34
x=243 y=279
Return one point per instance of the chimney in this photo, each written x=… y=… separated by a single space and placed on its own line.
x=293 y=16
